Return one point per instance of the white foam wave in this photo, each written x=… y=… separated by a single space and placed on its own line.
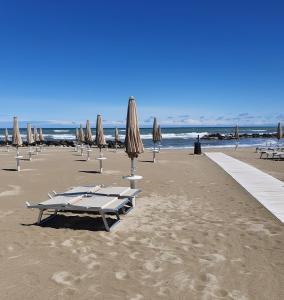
x=61 y=130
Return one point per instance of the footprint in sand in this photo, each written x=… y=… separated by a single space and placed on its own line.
x=68 y=243
x=212 y=259
x=15 y=190
x=153 y=266
x=121 y=275
x=63 y=278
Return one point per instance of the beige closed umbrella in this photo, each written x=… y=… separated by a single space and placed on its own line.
x=41 y=139
x=36 y=139
x=16 y=136
x=81 y=138
x=279 y=133
x=81 y=134
x=116 y=138
x=88 y=138
x=6 y=139
x=237 y=136
x=17 y=140
x=100 y=140
x=89 y=135
x=133 y=143
x=155 y=137
x=29 y=140
x=29 y=134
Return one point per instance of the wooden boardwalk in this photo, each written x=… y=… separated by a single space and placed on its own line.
x=266 y=189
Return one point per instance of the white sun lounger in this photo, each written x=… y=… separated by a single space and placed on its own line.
x=120 y=192
x=88 y=204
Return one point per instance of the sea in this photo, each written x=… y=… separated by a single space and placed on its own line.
x=172 y=137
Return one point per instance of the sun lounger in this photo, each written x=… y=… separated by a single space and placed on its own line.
x=278 y=155
x=81 y=190
x=267 y=153
x=120 y=192
x=84 y=203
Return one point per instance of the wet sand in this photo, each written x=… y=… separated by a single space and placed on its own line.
x=194 y=234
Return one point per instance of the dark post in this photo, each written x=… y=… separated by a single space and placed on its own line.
x=197 y=146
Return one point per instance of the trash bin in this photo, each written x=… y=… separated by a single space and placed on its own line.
x=197 y=146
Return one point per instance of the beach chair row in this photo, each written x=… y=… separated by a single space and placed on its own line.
x=89 y=199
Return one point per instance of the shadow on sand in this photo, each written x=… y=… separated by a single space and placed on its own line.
x=83 y=222
x=90 y=172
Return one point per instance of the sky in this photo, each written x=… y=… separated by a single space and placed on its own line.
x=185 y=62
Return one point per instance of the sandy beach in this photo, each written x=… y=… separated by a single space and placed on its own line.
x=195 y=233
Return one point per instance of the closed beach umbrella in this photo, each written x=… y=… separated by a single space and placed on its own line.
x=116 y=135
x=81 y=134
x=36 y=139
x=77 y=134
x=35 y=135
x=16 y=137
x=133 y=143
x=6 y=136
x=237 y=136
x=155 y=136
x=100 y=138
x=41 y=138
x=279 y=133
x=89 y=135
x=29 y=134
x=155 y=132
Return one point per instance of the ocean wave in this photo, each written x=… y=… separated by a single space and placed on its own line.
x=61 y=130
x=259 y=130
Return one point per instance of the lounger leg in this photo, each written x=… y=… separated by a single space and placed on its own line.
x=39 y=216
x=105 y=221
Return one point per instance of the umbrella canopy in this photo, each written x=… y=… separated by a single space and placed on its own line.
x=35 y=135
x=116 y=135
x=159 y=133
x=89 y=135
x=16 y=139
x=133 y=142
x=6 y=136
x=237 y=136
x=279 y=133
x=100 y=138
x=155 y=132
x=41 y=139
x=81 y=134
x=29 y=134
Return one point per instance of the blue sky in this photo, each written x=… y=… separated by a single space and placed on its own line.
x=186 y=62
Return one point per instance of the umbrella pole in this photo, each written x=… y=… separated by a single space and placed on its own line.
x=237 y=144
x=154 y=153
x=132 y=173
x=81 y=149
x=101 y=162
x=30 y=153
